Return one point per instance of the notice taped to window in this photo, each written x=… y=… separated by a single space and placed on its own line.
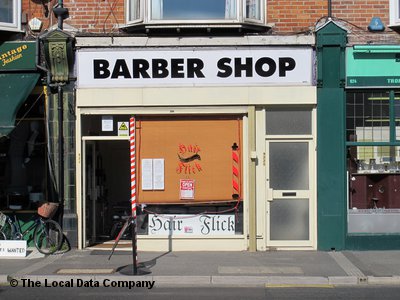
x=187 y=189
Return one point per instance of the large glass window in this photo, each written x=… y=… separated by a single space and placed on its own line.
x=9 y=14
x=193 y=9
x=373 y=162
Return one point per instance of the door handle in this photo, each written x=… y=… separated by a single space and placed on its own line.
x=270 y=193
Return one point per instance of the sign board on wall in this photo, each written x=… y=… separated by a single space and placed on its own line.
x=11 y=248
x=373 y=66
x=200 y=225
x=270 y=66
x=17 y=56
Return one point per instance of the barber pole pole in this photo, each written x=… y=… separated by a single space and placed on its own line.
x=235 y=172
x=132 y=134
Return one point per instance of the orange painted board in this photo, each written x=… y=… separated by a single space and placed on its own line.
x=192 y=148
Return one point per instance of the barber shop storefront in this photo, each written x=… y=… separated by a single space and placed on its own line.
x=23 y=172
x=373 y=146
x=224 y=145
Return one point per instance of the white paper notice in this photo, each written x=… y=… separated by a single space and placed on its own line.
x=158 y=174
x=186 y=189
x=147 y=174
x=107 y=123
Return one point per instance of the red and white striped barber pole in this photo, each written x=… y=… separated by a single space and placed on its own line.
x=132 y=136
x=235 y=172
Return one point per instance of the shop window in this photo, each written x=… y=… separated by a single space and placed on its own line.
x=23 y=163
x=194 y=11
x=188 y=175
x=10 y=11
x=373 y=162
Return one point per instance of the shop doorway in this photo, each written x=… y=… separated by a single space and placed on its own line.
x=290 y=177
x=105 y=187
x=290 y=201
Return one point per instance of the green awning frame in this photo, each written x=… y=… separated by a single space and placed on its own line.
x=14 y=89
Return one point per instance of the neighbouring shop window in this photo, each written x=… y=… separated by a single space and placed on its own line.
x=373 y=161
x=23 y=163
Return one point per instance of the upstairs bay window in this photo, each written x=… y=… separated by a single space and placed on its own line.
x=195 y=11
x=10 y=12
x=394 y=14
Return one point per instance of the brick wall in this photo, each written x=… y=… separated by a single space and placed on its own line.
x=288 y=16
x=295 y=15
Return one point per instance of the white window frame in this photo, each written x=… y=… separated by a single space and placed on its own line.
x=16 y=24
x=146 y=19
x=394 y=8
x=128 y=9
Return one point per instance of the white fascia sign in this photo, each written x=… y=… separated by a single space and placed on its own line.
x=145 y=68
x=191 y=225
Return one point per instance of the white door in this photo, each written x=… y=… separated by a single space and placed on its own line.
x=290 y=203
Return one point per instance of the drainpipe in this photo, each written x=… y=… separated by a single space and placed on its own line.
x=61 y=13
x=329 y=8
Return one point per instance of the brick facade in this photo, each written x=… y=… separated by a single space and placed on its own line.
x=285 y=16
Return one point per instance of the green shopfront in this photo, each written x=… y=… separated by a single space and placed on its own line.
x=358 y=144
x=23 y=174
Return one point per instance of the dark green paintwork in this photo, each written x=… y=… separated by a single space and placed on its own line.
x=331 y=160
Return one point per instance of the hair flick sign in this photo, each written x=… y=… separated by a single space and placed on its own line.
x=189 y=159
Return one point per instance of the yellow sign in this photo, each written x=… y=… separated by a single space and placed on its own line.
x=123 y=129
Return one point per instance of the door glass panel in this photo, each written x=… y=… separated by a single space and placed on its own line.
x=288 y=163
x=289 y=219
x=280 y=122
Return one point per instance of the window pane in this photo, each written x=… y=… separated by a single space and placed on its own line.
x=289 y=166
x=193 y=9
x=397 y=114
x=280 y=122
x=289 y=219
x=6 y=11
x=367 y=117
x=253 y=10
x=134 y=11
x=374 y=189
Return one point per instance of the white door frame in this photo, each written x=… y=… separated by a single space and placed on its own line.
x=275 y=195
x=261 y=176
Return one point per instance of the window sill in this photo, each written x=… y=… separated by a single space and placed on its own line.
x=395 y=27
x=194 y=29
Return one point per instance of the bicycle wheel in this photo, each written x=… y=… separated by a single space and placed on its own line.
x=48 y=236
x=7 y=231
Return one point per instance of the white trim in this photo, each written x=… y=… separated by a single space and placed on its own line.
x=200 y=96
x=394 y=7
x=16 y=24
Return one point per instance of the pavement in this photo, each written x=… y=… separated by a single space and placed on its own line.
x=271 y=268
